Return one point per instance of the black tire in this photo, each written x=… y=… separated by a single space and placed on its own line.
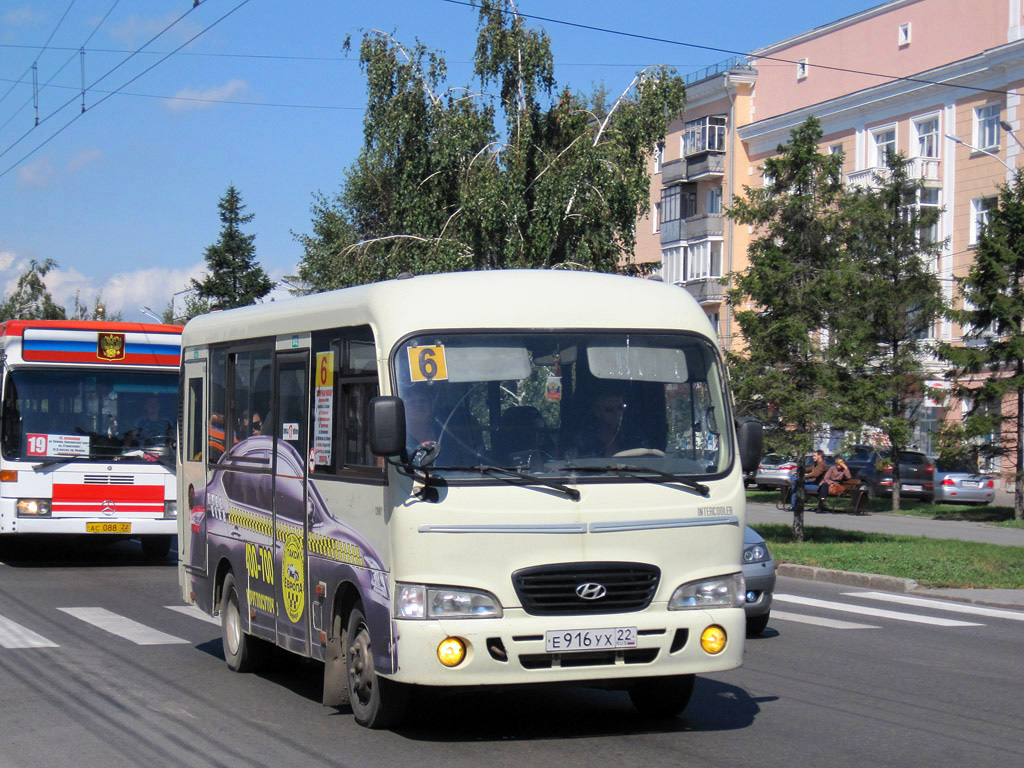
x=757 y=624
x=662 y=696
x=376 y=702
x=156 y=547
x=242 y=652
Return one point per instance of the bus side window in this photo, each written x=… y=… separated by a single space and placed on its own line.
x=194 y=444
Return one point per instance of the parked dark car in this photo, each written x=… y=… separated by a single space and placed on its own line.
x=873 y=467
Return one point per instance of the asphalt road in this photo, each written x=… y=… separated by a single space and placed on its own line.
x=842 y=677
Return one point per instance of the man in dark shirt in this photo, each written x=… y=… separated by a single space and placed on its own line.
x=815 y=474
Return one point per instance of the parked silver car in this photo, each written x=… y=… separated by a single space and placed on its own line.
x=959 y=482
x=759 y=574
x=774 y=471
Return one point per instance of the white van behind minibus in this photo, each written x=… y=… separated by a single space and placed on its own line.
x=481 y=478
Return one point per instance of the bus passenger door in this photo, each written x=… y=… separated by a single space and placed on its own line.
x=192 y=507
x=291 y=444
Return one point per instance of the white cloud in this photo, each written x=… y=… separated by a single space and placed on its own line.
x=84 y=158
x=20 y=16
x=136 y=30
x=37 y=174
x=192 y=98
x=6 y=260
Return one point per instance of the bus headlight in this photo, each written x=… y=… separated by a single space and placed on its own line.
x=720 y=592
x=33 y=507
x=170 y=510
x=421 y=601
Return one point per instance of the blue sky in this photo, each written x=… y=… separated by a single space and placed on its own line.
x=124 y=196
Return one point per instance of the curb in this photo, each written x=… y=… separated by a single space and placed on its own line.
x=850 y=578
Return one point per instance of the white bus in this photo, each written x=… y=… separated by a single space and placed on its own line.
x=481 y=478
x=87 y=428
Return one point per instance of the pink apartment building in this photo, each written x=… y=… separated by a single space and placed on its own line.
x=938 y=80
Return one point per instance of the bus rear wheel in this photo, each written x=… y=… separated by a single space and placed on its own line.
x=662 y=696
x=242 y=652
x=376 y=702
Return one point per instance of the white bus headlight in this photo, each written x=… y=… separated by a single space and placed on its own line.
x=33 y=507
x=170 y=510
x=720 y=592
x=419 y=601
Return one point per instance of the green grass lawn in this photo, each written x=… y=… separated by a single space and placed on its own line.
x=936 y=563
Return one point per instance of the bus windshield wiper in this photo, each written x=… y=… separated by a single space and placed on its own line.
x=62 y=460
x=489 y=469
x=639 y=472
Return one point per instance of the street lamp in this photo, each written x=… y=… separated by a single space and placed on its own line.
x=1005 y=125
x=958 y=140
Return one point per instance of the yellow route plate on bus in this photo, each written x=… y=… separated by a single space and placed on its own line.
x=108 y=527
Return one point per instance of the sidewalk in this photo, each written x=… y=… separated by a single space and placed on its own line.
x=903 y=525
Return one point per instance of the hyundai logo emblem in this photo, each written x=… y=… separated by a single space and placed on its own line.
x=591 y=591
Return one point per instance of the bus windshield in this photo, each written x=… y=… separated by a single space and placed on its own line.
x=589 y=404
x=78 y=415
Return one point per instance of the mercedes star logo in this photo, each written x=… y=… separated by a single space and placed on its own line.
x=107 y=507
x=591 y=591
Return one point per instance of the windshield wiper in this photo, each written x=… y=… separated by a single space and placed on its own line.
x=61 y=460
x=639 y=472
x=488 y=469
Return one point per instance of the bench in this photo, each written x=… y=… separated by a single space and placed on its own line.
x=852 y=498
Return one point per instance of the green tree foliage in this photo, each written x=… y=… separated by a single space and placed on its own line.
x=887 y=316
x=990 y=371
x=786 y=296
x=234 y=278
x=509 y=172
x=31 y=299
x=98 y=311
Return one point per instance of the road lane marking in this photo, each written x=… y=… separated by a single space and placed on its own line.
x=13 y=635
x=194 y=612
x=820 y=622
x=925 y=602
x=866 y=611
x=121 y=626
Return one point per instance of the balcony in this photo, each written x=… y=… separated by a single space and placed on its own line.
x=706 y=290
x=693 y=228
x=867 y=178
x=927 y=169
x=673 y=172
x=705 y=165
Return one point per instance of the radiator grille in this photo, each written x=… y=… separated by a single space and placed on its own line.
x=551 y=590
x=109 y=480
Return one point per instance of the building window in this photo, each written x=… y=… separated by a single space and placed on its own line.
x=801 y=69
x=884 y=141
x=904 y=34
x=926 y=131
x=714 y=200
x=656 y=219
x=669 y=204
x=704 y=135
x=705 y=260
x=659 y=156
x=673 y=265
x=835 y=149
x=980 y=208
x=929 y=199
x=713 y=317
x=986 y=126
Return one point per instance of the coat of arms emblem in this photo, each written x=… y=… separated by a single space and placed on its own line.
x=110 y=346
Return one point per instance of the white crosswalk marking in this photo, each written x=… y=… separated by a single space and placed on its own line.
x=866 y=611
x=195 y=613
x=13 y=635
x=121 y=626
x=820 y=622
x=926 y=602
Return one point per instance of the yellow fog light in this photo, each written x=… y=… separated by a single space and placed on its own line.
x=713 y=639
x=451 y=651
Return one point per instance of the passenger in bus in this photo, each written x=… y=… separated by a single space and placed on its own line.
x=215 y=439
x=420 y=424
x=521 y=435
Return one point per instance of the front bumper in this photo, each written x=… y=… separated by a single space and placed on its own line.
x=511 y=650
x=760 y=579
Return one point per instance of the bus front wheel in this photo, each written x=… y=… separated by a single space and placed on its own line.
x=662 y=696
x=242 y=652
x=376 y=702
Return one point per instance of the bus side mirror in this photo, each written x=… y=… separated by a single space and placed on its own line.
x=387 y=426
x=749 y=436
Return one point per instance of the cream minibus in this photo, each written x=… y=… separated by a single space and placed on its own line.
x=481 y=478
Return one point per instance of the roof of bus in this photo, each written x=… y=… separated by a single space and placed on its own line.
x=16 y=327
x=504 y=299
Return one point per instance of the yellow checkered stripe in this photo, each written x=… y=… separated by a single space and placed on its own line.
x=251 y=521
x=342 y=551
x=284 y=530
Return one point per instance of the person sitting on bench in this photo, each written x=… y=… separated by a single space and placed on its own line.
x=832 y=483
